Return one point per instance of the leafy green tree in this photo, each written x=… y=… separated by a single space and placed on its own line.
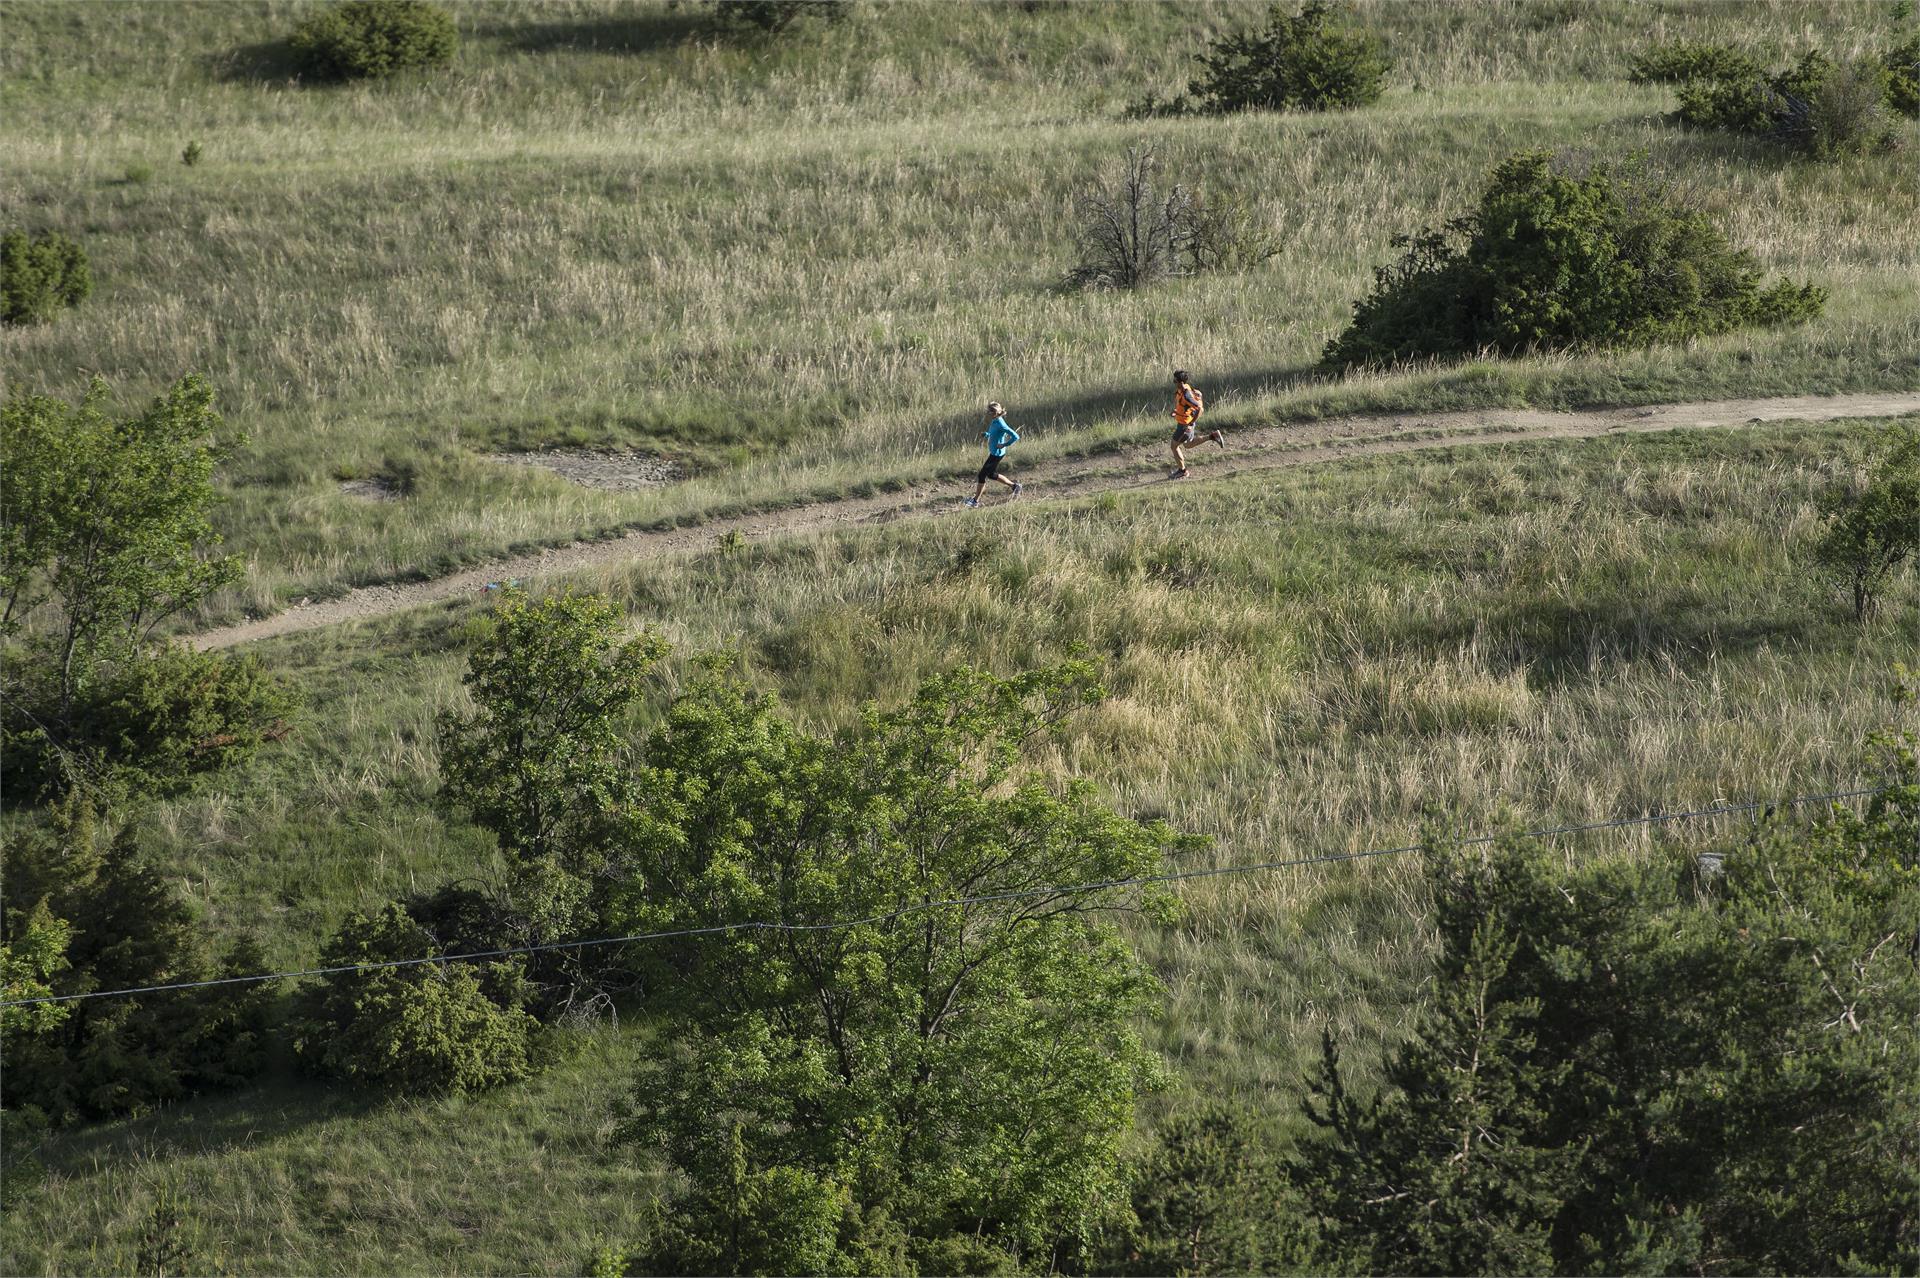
x=1650 y=1067
x=955 y=1068
x=104 y=532
x=33 y=952
x=127 y=927
x=1871 y=531
x=423 y=1028
x=39 y=275
x=543 y=759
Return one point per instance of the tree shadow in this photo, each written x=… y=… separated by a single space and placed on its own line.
x=1147 y=401
x=264 y=1112
x=636 y=32
x=263 y=62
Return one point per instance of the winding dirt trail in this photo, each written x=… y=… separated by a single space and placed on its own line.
x=1135 y=466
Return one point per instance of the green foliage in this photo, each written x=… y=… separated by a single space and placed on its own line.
x=1871 y=531
x=1552 y=259
x=1649 y=1068
x=191 y=154
x=32 y=952
x=102 y=540
x=1211 y=1199
x=127 y=928
x=1815 y=105
x=543 y=761
x=1301 y=62
x=39 y=275
x=375 y=38
x=1679 y=61
x=951 y=1068
x=775 y=16
x=426 y=1028
x=1902 y=66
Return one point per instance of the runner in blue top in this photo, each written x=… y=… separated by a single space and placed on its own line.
x=1000 y=437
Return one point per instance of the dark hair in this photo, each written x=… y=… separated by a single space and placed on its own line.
x=1180 y=375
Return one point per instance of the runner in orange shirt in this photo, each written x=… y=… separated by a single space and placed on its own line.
x=1188 y=404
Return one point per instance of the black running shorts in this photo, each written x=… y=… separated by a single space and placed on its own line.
x=989 y=468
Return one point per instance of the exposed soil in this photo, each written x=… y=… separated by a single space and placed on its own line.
x=620 y=471
x=1135 y=466
x=375 y=489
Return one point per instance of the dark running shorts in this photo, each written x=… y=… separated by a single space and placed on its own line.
x=1183 y=434
x=989 y=468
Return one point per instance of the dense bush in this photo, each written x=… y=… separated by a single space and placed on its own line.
x=127 y=927
x=1301 y=62
x=774 y=16
x=1872 y=530
x=39 y=275
x=1902 y=65
x=104 y=532
x=1816 y=105
x=1679 y=61
x=1649 y=1066
x=373 y=38
x=425 y=1028
x=1552 y=259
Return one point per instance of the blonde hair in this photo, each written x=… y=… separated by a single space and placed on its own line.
x=995 y=407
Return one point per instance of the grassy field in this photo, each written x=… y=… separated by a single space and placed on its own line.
x=1300 y=663
x=799 y=266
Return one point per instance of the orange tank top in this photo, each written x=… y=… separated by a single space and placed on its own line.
x=1185 y=407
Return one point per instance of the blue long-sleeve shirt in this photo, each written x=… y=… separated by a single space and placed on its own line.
x=1000 y=436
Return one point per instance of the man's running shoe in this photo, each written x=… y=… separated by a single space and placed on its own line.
x=973 y=503
x=1179 y=474
x=1220 y=438
x=1017 y=486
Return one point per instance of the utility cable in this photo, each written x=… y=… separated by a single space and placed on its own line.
x=923 y=906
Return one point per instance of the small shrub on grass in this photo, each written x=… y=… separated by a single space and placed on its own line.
x=39 y=275
x=191 y=154
x=374 y=38
x=775 y=16
x=1679 y=61
x=1552 y=259
x=1301 y=62
x=1816 y=105
x=428 y=1028
x=1902 y=65
x=1870 y=532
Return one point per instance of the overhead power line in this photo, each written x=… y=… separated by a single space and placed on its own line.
x=923 y=906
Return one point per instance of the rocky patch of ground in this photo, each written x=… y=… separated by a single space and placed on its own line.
x=619 y=471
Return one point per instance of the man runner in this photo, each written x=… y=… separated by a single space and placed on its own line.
x=1188 y=404
x=999 y=437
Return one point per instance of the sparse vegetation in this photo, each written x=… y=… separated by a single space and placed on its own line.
x=775 y=16
x=39 y=275
x=373 y=39
x=1553 y=259
x=1131 y=235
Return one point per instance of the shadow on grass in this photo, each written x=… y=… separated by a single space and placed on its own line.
x=278 y=1106
x=263 y=62
x=1142 y=401
x=636 y=32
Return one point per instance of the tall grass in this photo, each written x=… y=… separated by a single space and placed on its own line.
x=804 y=264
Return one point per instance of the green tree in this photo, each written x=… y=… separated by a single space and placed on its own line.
x=127 y=927
x=955 y=1068
x=1651 y=1066
x=543 y=759
x=1302 y=62
x=39 y=275
x=105 y=530
x=31 y=954
x=1872 y=530
x=375 y=38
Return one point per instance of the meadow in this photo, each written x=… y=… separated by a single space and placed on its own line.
x=797 y=267
x=1314 y=662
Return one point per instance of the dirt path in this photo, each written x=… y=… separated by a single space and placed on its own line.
x=1136 y=466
